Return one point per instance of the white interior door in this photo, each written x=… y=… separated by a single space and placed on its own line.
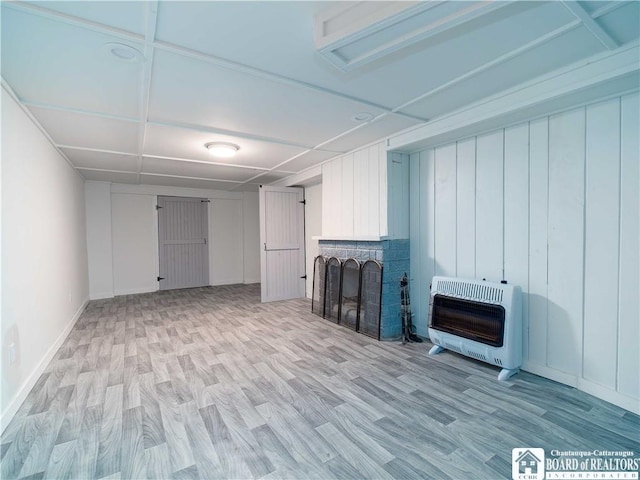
x=182 y=241
x=282 y=262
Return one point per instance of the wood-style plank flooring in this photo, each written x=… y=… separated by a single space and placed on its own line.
x=209 y=383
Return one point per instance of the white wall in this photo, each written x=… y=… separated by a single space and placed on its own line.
x=99 y=247
x=312 y=228
x=550 y=205
x=251 y=216
x=45 y=283
x=127 y=215
x=226 y=241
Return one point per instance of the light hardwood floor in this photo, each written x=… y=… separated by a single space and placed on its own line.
x=209 y=383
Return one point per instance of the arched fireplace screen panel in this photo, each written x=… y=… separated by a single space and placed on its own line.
x=319 y=280
x=350 y=293
x=332 y=289
x=370 y=299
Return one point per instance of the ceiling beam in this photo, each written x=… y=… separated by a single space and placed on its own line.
x=590 y=24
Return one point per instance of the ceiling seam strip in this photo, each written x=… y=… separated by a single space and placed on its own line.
x=184 y=126
x=107 y=170
x=7 y=88
x=591 y=25
x=231 y=133
x=145 y=81
x=212 y=59
x=163 y=157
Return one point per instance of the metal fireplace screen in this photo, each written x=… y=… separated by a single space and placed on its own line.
x=477 y=321
x=332 y=289
x=370 y=298
x=319 y=280
x=350 y=293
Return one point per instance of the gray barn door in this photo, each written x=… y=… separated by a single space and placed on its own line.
x=183 y=249
x=282 y=259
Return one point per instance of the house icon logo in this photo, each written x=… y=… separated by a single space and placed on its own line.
x=527 y=463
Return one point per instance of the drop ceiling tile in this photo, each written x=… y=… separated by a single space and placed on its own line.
x=199 y=170
x=129 y=16
x=371 y=132
x=54 y=63
x=101 y=160
x=113 y=177
x=270 y=177
x=189 y=144
x=573 y=46
x=185 y=182
x=88 y=131
x=307 y=160
x=192 y=91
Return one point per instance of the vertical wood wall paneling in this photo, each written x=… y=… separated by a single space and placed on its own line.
x=629 y=305
x=347 y=196
x=417 y=282
x=445 y=210
x=516 y=215
x=427 y=235
x=383 y=227
x=489 y=206
x=327 y=181
x=602 y=217
x=566 y=242
x=538 y=218
x=398 y=195
x=372 y=187
x=360 y=203
x=466 y=208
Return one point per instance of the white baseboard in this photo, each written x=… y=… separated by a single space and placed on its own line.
x=14 y=405
x=600 y=391
x=248 y=281
x=101 y=296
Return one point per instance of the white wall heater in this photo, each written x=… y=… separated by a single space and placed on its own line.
x=482 y=320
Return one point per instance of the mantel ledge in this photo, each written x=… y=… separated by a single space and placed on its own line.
x=346 y=238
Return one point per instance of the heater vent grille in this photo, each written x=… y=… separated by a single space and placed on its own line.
x=476 y=291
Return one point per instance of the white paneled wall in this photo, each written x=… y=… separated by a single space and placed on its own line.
x=364 y=195
x=551 y=205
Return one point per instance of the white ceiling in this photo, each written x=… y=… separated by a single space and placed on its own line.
x=249 y=73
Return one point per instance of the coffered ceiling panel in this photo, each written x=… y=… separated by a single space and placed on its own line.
x=251 y=74
x=174 y=142
x=54 y=63
x=189 y=90
x=102 y=160
x=568 y=48
x=196 y=169
x=113 y=177
x=169 y=181
x=89 y=131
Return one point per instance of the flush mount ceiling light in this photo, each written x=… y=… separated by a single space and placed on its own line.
x=362 y=117
x=123 y=52
x=222 y=149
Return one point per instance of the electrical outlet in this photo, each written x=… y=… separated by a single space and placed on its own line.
x=12 y=353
